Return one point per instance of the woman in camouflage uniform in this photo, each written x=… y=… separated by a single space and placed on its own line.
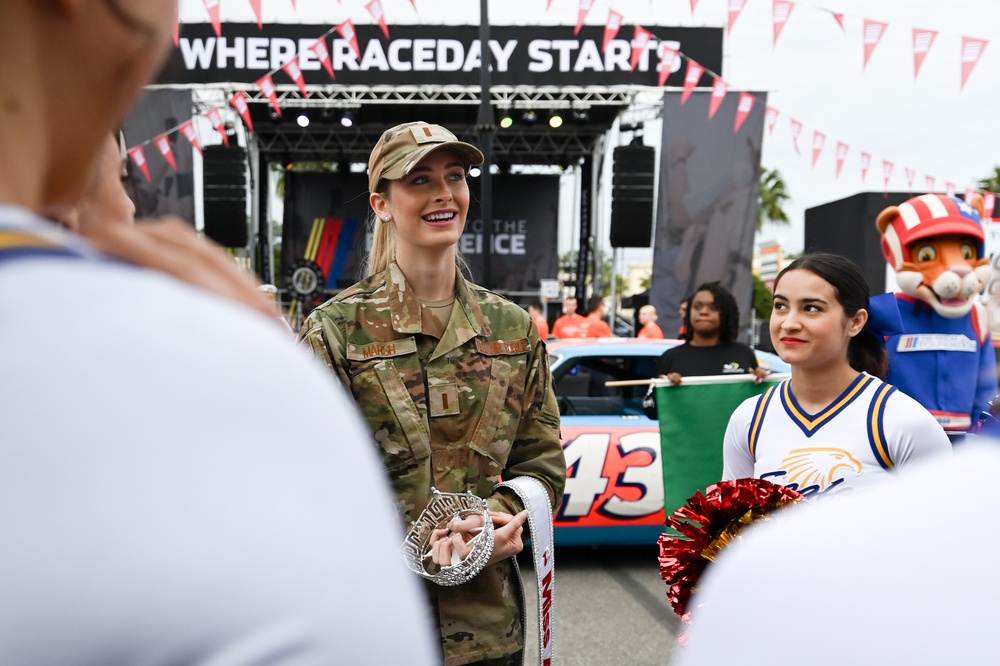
x=452 y=378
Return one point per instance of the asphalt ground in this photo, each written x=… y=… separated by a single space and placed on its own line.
x=610 y=608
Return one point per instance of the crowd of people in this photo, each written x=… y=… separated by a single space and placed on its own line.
x=154 y=512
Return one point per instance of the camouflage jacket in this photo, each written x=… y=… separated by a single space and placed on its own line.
x=453 y=413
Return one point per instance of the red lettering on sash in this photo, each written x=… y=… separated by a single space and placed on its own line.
x=547 y=608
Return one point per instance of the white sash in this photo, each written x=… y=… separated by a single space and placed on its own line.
x=536 y=501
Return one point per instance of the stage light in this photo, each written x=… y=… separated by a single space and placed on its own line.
x=506 y=121
x=347 y=118
x=302 y=120
x=555 y=121
x=580 y=115
x=475 y=172
x=529 y=116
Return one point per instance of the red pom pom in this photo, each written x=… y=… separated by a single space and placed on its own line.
x=706 y=524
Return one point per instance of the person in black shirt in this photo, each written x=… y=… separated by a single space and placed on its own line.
x=711 y=323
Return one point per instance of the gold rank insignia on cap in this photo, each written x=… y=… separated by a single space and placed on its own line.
x=430 y=134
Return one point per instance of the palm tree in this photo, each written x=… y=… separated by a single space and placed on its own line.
x=992 y=182
x=773 y=196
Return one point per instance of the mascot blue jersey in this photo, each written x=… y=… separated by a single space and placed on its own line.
x=949 y=367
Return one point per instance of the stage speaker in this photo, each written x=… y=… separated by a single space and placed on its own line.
x=224 y=170
x=632 y=196
x=847 y=227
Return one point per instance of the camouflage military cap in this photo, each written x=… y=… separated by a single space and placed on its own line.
x=401 y=148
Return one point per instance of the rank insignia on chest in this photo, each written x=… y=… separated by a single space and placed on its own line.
x=443 y=399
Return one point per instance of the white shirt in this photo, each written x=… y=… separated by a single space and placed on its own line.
x=903 y=574
x=162 y=500
x=869 y=432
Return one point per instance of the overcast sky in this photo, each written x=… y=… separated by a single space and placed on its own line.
x=814 y=74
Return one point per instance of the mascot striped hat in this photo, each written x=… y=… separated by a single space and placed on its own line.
x=925 y=216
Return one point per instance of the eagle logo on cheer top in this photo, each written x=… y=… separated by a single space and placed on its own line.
x=816 y=469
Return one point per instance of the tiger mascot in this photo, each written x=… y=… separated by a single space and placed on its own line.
x=944 y=358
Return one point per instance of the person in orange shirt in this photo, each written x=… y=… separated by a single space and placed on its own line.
x=569 y=324
x=647 y=317
x=537 y=315
x=593 y=325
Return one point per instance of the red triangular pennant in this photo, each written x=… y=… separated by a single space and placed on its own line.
x=215 y=117
x=346 y=30
x=735 y=7
x=255 y=5
x=819 y=139
x=841 y=155
x=266 y=85
x=949 y=189
x=694 y=3
x=969 y=193
x=668 y=55
x=780 y=12
x=866 y=161
x=691 y=78
x=887 y=174
x=323 y=55
x=718 y=94
x=611 y=28
x=213 y=14
x=640 y=40
x=922 y=41
x=239 y=102
x=191 y=134
x=375 y=8
x=581 y=15
x=548 y=5
x=771 y=114
x=971 y=50
x=796 y=131
x=295 y=74
x=838 y=17
x=873 y=32
x=162 y=143
x=910 y=175
x=743 y=109
x=139 y=157
x=929 y=183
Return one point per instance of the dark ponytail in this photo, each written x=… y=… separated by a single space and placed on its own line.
x=865 y=352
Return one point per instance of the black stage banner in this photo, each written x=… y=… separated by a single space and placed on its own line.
x=171 y=191
x=325 y=239
x=707 y=207
x=437 y=55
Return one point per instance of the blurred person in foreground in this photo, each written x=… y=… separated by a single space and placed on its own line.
x=106 y=201
x=647 y=320
x=453 y=380
x=149 y=516
x=904 y=573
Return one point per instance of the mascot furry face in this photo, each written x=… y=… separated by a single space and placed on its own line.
x=935 y=245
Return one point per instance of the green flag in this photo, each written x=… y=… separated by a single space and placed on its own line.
x=693 y=419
